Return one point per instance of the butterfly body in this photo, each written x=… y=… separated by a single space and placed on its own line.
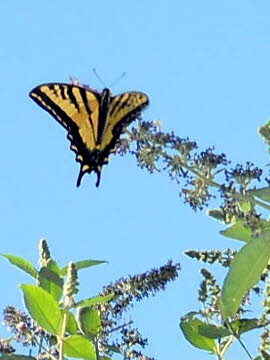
x=94 y=120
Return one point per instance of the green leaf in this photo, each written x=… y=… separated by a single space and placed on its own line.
x=263 y=193
x=245 y=271
x=212 y=331
x=105 y=358
x=209 y=330
x=43 y=308
x=89 y=321
x=217 y=214
x=244 y=325
x=265 y=355
x=94 y=300
x=82 y=265
x=238 y=231
x=23 y=264
x=190 y=328
x=264 y=131
x=239 y=326
x=247 y=206
x=50 y=280
x=77 y=346
x=72 y=327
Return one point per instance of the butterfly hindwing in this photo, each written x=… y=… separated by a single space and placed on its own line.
x=94 y=120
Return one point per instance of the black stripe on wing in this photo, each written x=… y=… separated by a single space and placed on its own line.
x=131 y=115
x=93 y=159
x=51 y=107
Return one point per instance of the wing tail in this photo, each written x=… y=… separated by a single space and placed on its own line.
x=81 y=173
x=86 y=169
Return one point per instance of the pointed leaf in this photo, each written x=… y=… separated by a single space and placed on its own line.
x=43 y=308
x=50 y=280
x=209 y=330
x=243 y=325
x=23 y=264
x=94 y=300
x=212 y=331
x=240 y=326
x=265 y=355
x=72 y=327
x=264 y=131
x=89 y=321
x=217 y=214
x=238 y=231
x=263 y=193
x=77 y=346
x=245 y=271
x=82 y=265
x=190 y=328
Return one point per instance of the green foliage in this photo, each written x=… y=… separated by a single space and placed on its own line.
x=83 y=264
x=245 y=272
x=22 y=264
x=264 y=131
x=84 y=329
x=51 y=304
x=89 y=321
x=240 y=201
x=49 y=279
x=238 y=231
x=43 y=308
x=191 y=330
x=77 y=346
x=95 y=300
x=72 y=326
x=263 y=193
x=44 y=303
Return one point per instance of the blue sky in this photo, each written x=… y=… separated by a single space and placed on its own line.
x=204 y=65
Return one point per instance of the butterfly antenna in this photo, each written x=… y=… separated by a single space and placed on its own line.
x=99 y=78
x=118 y=79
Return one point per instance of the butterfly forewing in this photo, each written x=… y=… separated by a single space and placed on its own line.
x=123 y=109
x=76 y=108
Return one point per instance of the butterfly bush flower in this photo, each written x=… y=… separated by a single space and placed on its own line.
x=156 y=151
x=21 y=325
x=133 y=288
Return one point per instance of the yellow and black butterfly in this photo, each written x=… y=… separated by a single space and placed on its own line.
x=94 y=120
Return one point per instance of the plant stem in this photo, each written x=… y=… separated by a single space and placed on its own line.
x=61 y=338
x=226 y=346
x=97 y=351
x=239 y=339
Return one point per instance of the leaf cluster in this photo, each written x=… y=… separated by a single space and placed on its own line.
x=59 y=326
